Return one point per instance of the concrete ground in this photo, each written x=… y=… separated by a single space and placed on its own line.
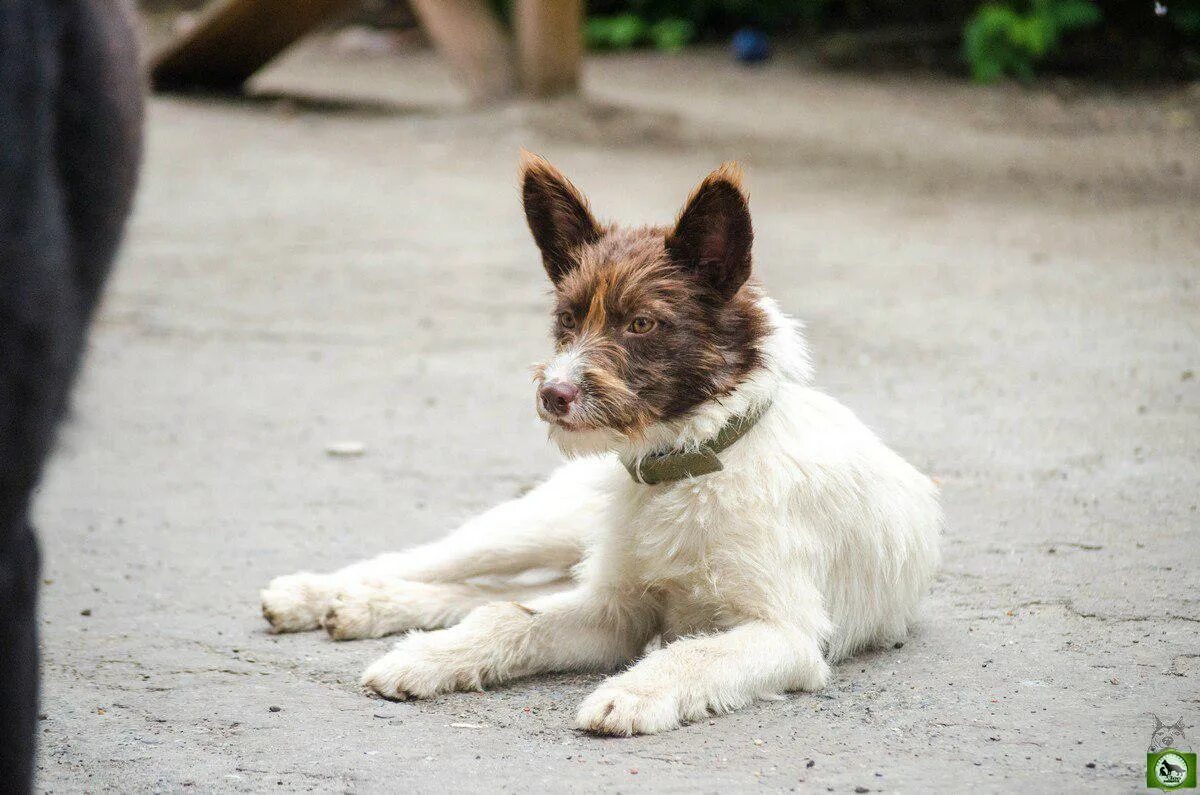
x=1005 y=284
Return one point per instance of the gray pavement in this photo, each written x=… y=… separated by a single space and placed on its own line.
x=1005 y=284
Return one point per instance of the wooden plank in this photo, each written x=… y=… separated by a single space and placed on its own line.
x=470 y=37
x=549 y=45
x=233 y=39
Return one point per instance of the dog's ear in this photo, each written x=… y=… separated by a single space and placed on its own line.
x=557 y=214
x=713 y=235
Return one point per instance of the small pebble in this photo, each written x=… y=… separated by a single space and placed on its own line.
x=274 y=709
x=347 y=449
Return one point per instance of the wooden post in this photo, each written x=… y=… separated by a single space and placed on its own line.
x=549 y=45
x=469 y=36
x=235 y=38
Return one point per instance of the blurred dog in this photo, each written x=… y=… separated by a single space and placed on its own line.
x=70 y=127
x=716 y=502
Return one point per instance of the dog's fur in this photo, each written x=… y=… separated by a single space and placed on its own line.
x=814 y=541
x=70 y=143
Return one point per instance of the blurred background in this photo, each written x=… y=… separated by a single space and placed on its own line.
x=316 y=345
x=986 y=40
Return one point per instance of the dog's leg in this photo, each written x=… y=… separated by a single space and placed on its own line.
x=576 y=630
x=545 y=529
x=696 y=677
x=368 y=611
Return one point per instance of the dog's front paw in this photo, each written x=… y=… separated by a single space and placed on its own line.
x=296 y=602
x=420 y=668
x=625 y=709
x=356 y=612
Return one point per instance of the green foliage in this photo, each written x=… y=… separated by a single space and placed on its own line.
x=624 y=31
x=672 y=24
x=618 y=32
x=672 y=34
x=1001 y=40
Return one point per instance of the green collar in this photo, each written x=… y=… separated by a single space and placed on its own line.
x=675 y=465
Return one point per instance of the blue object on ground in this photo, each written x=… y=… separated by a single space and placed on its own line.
x=750 y=45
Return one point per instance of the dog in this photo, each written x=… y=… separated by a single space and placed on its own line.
x=70 y=123
x=711 y=500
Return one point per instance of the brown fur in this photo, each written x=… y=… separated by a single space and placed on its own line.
x=691 y=280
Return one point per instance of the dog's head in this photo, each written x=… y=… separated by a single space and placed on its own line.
x=648 y=322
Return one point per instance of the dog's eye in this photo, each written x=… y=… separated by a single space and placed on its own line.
x=640 y=325
x=566 y=320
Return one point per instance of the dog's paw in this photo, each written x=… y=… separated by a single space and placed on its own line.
x=356 y=612
x=418 y=668
x=625 y=709
x=296 y=602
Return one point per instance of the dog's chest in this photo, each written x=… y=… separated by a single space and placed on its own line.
x=677 y=548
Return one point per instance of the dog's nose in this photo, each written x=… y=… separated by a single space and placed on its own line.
x=557 y=397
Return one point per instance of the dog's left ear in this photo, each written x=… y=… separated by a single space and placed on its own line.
x=557 y=214
x=713 y=235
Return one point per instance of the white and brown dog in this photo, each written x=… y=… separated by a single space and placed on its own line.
x=714 y=501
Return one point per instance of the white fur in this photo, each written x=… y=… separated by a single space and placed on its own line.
x=813 y=542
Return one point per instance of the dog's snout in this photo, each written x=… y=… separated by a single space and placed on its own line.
x=557 y=397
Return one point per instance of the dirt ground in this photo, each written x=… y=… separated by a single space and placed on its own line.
x=1004 y=283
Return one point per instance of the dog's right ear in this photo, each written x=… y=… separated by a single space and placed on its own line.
x=557 y=214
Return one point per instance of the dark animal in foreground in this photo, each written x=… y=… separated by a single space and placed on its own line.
x=70 y=144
